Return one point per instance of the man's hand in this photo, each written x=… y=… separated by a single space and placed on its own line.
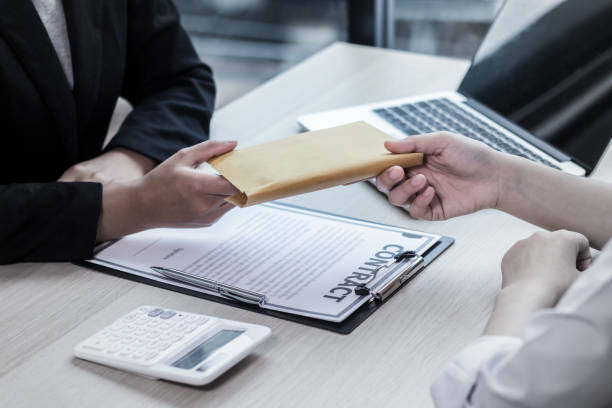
x=550 y=260
x=118 y=164
x=458 y=176
x=174 y=194
x=536 y=272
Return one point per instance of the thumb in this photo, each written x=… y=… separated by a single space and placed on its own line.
x=198 y=154
x=431 y=143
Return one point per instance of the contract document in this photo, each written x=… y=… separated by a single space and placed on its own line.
x=305 y=262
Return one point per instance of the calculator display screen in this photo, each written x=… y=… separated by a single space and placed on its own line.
x=204 y=350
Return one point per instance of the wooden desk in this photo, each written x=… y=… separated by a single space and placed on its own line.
x=390 y=360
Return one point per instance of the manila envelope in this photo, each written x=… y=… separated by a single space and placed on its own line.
x=307 y=162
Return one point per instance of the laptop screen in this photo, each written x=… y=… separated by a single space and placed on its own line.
x=547 y=66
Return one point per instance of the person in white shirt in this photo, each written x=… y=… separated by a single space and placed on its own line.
x=548 y=342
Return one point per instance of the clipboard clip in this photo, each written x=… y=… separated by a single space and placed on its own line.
x=414 y=263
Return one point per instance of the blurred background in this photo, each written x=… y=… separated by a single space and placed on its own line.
x=247 y=42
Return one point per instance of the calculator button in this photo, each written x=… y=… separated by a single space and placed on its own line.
x=116 y=327
x=126 y=351
x=113 y=349
x=153 y=334
x=162 y=346
x=165 y=326
x=192 y=318
x=155 y=312
x=98 y=343
x=150 y=356
x=153 y=323
x=127 y=340
x=140 y=332
x=167 y=314
x=141 y=343
x=93 y=347
x=201 y=321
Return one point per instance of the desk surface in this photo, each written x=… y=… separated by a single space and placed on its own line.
x=390 y=360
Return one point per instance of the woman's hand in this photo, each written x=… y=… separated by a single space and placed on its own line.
x=174 y=194
x=118 y=164
x=536 y=272
x=458 y=176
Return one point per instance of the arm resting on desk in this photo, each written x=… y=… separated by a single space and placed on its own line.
x=48 y=221
x=562 y=360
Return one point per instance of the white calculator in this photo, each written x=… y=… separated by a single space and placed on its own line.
x=177 y=346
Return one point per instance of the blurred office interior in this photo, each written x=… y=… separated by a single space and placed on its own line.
x=249 y=41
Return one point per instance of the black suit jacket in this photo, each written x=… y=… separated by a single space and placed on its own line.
x=131 y=48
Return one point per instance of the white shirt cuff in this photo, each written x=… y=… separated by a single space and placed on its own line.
x=455 y=384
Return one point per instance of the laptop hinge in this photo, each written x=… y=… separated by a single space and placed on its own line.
x=496 y=117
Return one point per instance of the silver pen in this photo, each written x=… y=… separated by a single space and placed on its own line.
x=233 y=292
x=413 y=263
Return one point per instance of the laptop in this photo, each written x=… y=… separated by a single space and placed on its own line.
x=540 y=66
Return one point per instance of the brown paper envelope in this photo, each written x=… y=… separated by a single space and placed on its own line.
x=307 y=162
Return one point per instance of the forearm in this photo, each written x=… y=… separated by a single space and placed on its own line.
x=42 y=222
x=556 y=200
x=123 y=211
x=515 y=305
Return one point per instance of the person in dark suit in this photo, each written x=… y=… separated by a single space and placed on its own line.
x=63 y=66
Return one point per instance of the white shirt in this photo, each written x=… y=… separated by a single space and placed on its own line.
x=564 y=358
x=51 y=13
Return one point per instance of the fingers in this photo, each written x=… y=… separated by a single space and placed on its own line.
x=584 y=259
x=198 y=154
x=583 y=250
x=208 y=184
x=208 y=218
x=403 y=192
x=389 y=178
x=429 y=144
x=421 y=205
x=219 y=212
x=213 y=215
x=575 y=242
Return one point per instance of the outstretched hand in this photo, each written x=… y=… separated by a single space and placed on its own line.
x=458 y=176
x=174 y=194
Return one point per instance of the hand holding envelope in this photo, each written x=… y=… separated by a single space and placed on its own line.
x=308 y=162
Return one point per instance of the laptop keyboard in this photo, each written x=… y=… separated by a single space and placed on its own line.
x=442 y=114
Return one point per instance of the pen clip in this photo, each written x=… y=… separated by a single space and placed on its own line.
x=415 y=263
x=391 y=285
x=259 y=300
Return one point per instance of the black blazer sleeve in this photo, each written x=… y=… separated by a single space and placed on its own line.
x=48 y=221
x=171 y=90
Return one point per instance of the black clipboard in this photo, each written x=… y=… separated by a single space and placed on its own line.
x=345 y=327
